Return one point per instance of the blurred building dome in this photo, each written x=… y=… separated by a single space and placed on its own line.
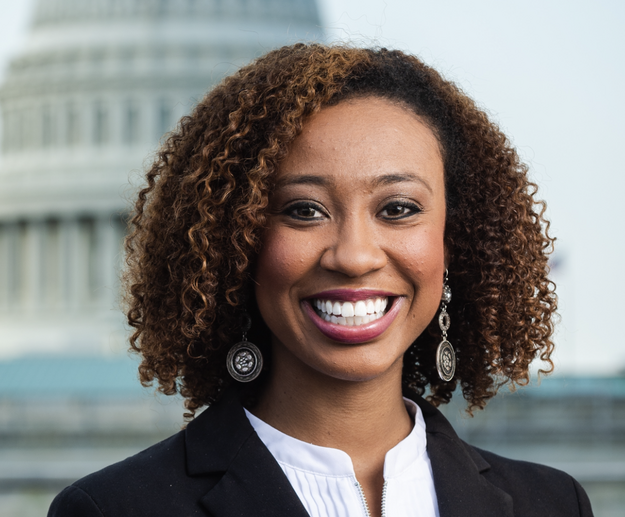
x=85 y=102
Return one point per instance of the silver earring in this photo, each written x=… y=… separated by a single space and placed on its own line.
x=445 y=355
x=244 y=361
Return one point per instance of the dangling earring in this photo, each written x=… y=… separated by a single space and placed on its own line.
x=244 y=361
x=445 y=355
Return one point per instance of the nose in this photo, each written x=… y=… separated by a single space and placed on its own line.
x=355 y=251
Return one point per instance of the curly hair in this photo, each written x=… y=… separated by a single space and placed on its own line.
x=197 y=225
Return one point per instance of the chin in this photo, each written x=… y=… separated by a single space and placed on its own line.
x=356 y=363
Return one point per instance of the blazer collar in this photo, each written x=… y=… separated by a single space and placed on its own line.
x=222 y=441
x=461 y=489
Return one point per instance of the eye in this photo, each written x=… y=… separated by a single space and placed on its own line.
x=304 y=211
x=399 y=210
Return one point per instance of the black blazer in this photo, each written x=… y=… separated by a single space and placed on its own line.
x=218 y=466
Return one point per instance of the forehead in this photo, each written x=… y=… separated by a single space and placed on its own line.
x=363 y=138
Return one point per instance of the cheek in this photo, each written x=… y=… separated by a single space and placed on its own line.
x=283 y=260
x=426 y=270
x=424 y=257
x=273 y=265
x=275 y=261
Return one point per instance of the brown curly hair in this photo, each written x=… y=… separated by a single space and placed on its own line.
x=197 y=225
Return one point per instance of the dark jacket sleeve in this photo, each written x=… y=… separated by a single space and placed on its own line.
x=585 y=509
x=74 y=502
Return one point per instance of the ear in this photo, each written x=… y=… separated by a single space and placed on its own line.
x=447 y=257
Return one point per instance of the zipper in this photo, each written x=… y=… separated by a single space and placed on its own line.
x=383 y=514
x=364 y=499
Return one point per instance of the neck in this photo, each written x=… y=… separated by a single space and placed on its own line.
x=364 y=418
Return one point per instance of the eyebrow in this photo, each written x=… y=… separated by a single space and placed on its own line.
x=389 y=179
x=386 y=179
x=306 y=179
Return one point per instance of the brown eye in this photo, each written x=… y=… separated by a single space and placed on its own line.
x=399 y=210
x=395 y=210
x=304 y=211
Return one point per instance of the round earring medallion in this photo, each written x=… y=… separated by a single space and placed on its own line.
x=445 y=361
x=244 y=361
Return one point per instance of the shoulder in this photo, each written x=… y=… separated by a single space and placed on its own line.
x=536 y=489
x=148 y=483
x=169 y=478
x=522 y=488
x=164 y=460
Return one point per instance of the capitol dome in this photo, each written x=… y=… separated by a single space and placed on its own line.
x=86 y=101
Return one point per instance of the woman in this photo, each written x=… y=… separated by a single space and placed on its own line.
x=333 y=227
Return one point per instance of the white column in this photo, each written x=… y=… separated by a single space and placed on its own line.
x=52 y=266
x=64 y=266
x=120 y=235
x=33 y=262
x=11 y=267
x=20 y=265
x=6 y=264
x=81 y=283
x=33 y=127
x=72 y=268
x=63 y=270
x=6 y=117
x=107 y=250
x=19 y=124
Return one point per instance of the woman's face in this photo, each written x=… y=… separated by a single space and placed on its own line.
x=353 y=258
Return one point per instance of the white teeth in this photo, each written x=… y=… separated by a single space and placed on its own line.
x=348 y=309
x=350 y=314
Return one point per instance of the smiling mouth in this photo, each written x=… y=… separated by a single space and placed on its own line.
x=351 y=314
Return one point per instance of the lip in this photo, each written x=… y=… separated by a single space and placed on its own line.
x=351 y=295
x=357 y=334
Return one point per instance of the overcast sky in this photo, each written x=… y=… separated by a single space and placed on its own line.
x=551 y=73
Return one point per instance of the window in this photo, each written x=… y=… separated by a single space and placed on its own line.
x=72 y=127
x=7 y=131
x=101 y=124
x=131 y=123
x=164 y=119
x=47 y=126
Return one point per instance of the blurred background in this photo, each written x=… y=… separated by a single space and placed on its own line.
x=89 y=87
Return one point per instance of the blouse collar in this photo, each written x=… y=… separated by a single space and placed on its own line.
x=327 y=461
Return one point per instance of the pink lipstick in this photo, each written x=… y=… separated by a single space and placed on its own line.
x=358 y=333
x=351 y=295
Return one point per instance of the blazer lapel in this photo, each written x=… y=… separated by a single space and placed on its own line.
x=244 y=478
x=222 y=444
x=461 y=489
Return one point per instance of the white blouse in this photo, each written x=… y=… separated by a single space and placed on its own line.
x=325 y=481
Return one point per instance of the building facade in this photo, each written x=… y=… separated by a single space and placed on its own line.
x=96 y=86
